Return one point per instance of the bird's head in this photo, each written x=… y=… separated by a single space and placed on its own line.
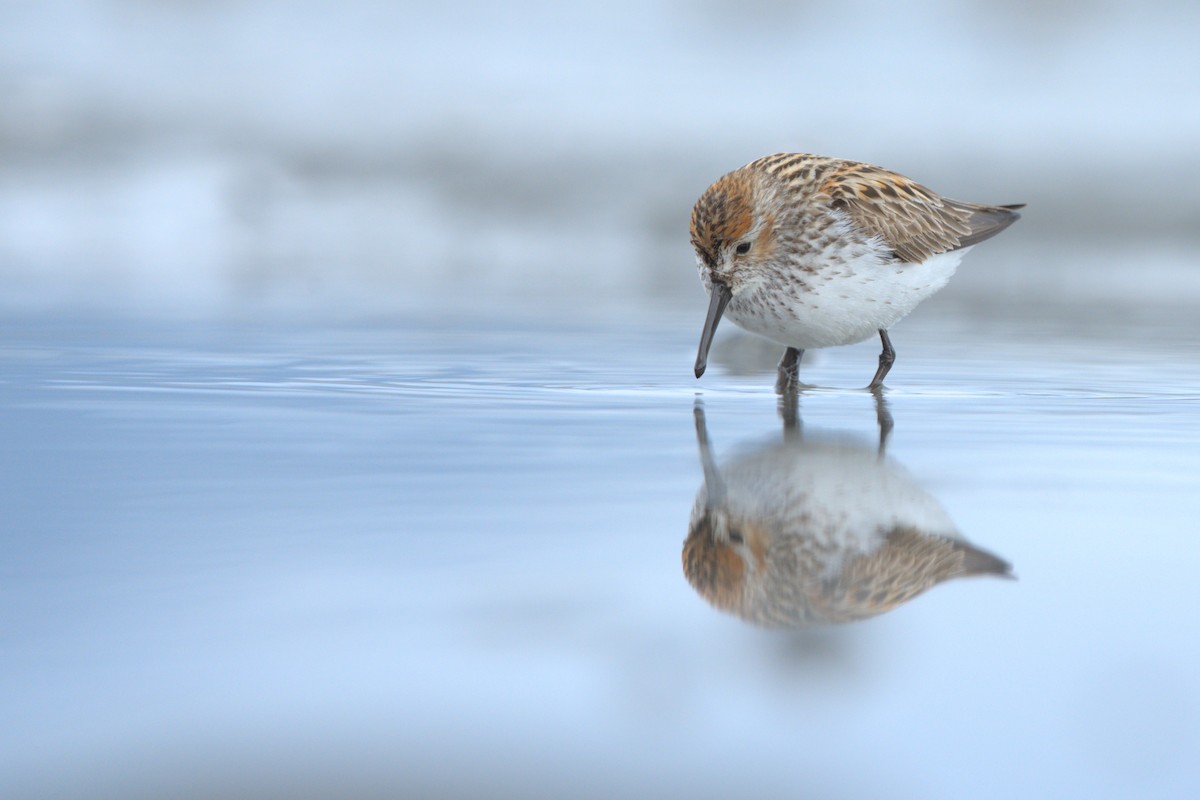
x=733 y=228
x=734 y=235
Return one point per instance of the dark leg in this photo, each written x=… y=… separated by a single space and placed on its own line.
x=789 y=370
x=886 y=359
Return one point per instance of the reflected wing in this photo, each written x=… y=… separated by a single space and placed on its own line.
x=906 y=564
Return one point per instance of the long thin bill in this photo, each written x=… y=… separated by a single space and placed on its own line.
x=718 y=299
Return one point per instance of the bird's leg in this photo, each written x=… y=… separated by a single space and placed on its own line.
x=883 y=416
x=789 y=370
x=886 y=359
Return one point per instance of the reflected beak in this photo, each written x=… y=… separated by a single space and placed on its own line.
x=714 y=487
x=718 y=299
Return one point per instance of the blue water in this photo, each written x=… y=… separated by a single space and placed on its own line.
x=443 y=558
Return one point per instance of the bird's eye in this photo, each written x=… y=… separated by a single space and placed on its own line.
x=736 y=537
x=742 y=248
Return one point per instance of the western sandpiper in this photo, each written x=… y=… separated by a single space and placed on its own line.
x=812 y=252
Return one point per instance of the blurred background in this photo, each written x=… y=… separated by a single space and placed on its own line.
x=182 y=157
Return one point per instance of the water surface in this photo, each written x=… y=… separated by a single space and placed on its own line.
x=443 y=558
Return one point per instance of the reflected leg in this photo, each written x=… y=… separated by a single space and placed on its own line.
x=789 y=412
x=883 y=416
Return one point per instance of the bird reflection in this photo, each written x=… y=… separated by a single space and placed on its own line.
x=813 y=530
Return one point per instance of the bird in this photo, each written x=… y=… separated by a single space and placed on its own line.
x=811 y=252
x=818 y=530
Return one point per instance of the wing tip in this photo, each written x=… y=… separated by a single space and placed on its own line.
x=987 y=221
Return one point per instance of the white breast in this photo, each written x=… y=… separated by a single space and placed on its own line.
x=841 y=304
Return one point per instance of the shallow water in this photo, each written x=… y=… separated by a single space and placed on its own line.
x=444 y=559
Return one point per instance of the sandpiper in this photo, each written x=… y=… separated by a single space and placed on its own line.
x=812 y=252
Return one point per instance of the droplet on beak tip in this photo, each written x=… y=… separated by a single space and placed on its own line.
x=718 y=299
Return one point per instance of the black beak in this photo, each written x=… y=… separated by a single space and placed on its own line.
x=718 y=299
